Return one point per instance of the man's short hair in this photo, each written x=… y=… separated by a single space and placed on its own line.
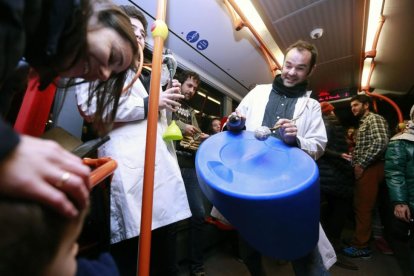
x=133 y=12
x=189 y=74
x=301 y=45
x=362 y=98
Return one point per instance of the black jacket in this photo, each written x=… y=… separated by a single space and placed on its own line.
x=335 y=173
x=30 y=29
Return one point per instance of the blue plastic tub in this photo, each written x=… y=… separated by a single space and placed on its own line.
x=267 y=190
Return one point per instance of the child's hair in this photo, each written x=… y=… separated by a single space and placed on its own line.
x=30 y=236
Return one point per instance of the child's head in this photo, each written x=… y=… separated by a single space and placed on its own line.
x=215 y=126
x=35 y=240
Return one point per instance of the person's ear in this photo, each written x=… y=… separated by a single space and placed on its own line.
x=311 y=70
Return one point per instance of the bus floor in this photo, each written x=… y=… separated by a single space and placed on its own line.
x=222 y=260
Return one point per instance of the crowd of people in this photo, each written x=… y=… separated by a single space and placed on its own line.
x=95 y=43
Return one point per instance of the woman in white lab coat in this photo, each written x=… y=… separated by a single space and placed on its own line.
x=127 y=146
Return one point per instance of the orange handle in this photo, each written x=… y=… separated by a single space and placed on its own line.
x=105 y=166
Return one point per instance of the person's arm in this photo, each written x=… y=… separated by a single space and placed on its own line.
x=378 y=128
x=395 y=168
x=190 y=130
x=312 y=139
x=336 y=146
x=133 y=104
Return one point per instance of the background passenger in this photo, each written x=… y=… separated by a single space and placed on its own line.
x=399 y=175
x=336 y=181
x=187 y=122
x=215 y=126
x=368 y=161
x=350 y=139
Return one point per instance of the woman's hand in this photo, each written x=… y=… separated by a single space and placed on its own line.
x=42 y=170
x=170 y=97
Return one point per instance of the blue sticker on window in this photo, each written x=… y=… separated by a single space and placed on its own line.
x=193 y=36
x=202 y=44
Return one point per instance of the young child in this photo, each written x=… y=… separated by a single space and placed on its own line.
x=36 y=240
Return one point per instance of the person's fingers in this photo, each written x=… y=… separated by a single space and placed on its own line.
x=71 y=163
x=51 y=196
x=173 y=90
x=172 y=102
x=174 y=96
x=71 y=184
x=58 y=164
x=56 y=153
x=177 y=84
x=196 y=130
x=169 y=107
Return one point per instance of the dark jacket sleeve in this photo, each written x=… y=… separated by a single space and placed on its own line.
x=11 y=35
x=103 y=266
x=395 y=168
x=8 y=140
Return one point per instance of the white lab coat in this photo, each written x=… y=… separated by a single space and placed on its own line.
x=127 y=147
x=311 y=135
x=311 y=129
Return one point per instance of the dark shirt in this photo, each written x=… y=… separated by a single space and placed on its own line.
x=279 y=106
x=103 y=266
x=8 y=140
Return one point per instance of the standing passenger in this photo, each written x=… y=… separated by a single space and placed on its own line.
x=399 y=174
x=337 y=181
x=188 y=124
x=279 y=103
x=368 y=161
x=127 y=146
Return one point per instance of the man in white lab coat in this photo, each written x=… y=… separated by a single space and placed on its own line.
x=287 y=103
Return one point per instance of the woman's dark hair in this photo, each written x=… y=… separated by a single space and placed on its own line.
x=30 y=236
x=108 y=92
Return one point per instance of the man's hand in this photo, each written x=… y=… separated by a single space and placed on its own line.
x=191 y=130
x=204 y=136
x=287 y=130
x=170 y=97
x=43 y=171
x=235 y=121
x=402 y=212
x=346 y=156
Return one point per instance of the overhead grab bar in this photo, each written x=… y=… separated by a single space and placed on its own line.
x=372 y=54
x=240 y=21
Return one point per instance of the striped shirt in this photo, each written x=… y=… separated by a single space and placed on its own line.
x=371 y=140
